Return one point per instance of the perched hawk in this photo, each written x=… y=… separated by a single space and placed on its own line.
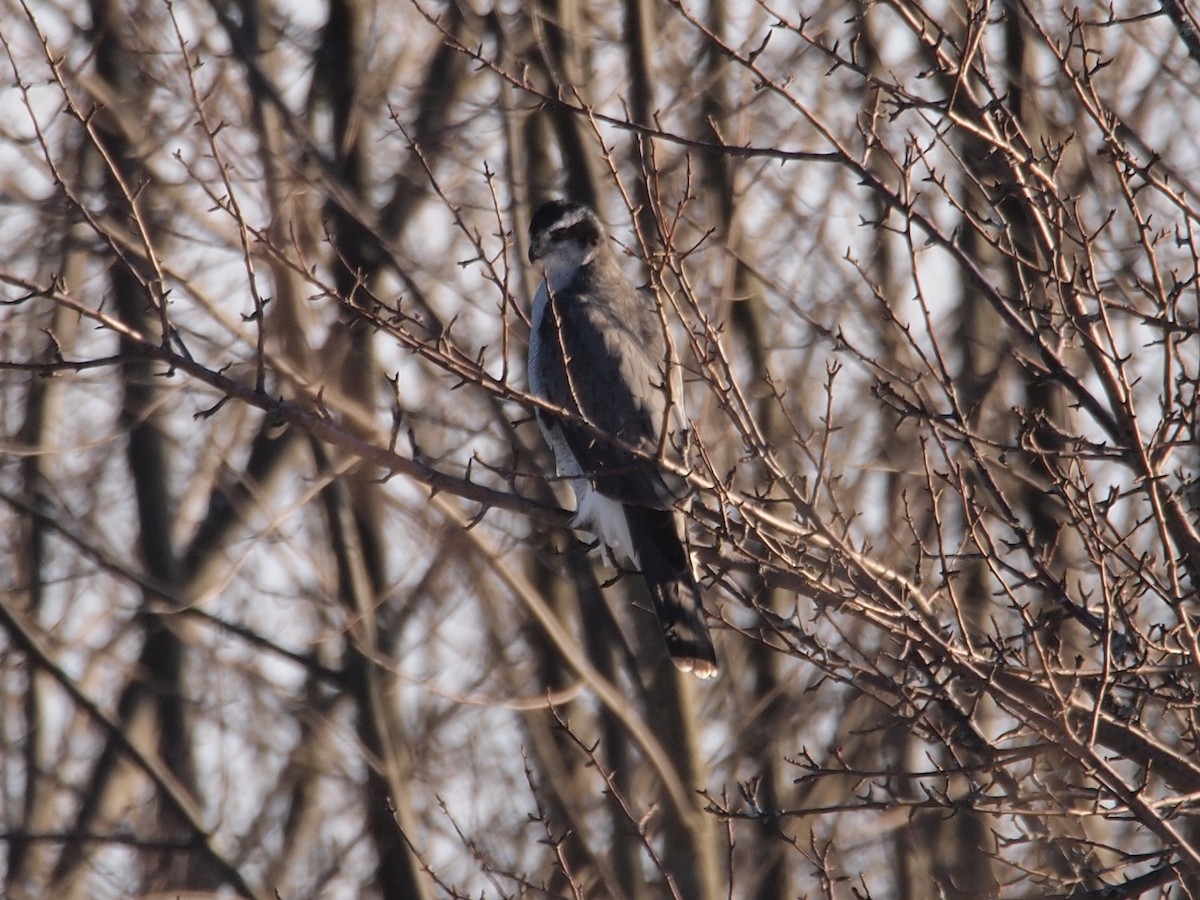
x=598 y=352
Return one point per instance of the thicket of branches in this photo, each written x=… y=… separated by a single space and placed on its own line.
x=287 y=600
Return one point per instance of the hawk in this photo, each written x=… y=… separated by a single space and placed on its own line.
x=598 y=352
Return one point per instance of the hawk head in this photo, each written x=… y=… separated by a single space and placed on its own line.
x=564 y=236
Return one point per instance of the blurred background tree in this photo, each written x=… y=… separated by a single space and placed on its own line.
x=288 y=606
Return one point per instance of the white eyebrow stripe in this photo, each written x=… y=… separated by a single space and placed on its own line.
x=574 y=217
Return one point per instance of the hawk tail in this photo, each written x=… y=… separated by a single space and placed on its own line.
x=681 y=617
x=668 y=574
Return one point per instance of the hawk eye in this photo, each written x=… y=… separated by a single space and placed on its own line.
x=558 y=233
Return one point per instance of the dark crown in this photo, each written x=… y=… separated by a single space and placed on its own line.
x=581 y=223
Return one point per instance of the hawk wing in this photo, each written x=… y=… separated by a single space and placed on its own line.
x=602 y=357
